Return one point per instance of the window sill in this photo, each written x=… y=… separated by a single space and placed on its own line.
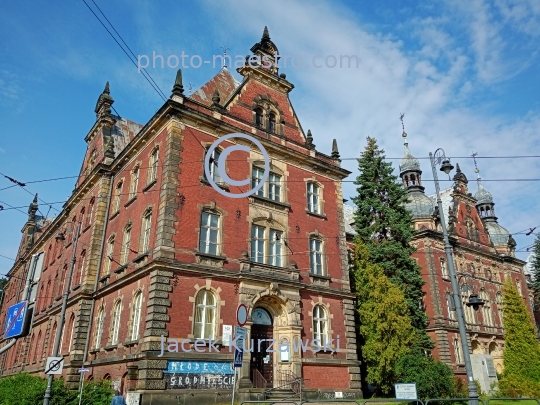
x=68 y=245
x=76 y=287
x=120 y=269
x=130 y=201
x=94 y=351
x=270 y=201
x=209 y=259
x=320 y=276
x=58 y=298
x=114 y=215
x=131 y=342
x=210 y=256
x=221 y=185
x=111 y=347
x=323 y=216
x=141 y=257
x=86 y=228
x=149 y=185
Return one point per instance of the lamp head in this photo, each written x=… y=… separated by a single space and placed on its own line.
x=475 y=302
x=446 y=166
x=60 y=237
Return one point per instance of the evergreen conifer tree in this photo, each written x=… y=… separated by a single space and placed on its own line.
x=535 y=284
x=521 y=348
x=385 y=225
x=385 y=325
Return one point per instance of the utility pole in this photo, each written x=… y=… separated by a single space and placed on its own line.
x=60 y=327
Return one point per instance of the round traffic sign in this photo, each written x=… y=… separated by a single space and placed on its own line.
x=241 y=315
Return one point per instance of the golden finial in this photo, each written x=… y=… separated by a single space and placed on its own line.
x=404 y=134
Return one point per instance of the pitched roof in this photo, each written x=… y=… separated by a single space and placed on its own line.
x=224 y=82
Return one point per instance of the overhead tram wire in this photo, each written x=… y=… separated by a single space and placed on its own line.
x=160 y=93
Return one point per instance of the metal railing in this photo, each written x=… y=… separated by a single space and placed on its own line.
x=258 y=380
x=469 y=400
x=513 y=399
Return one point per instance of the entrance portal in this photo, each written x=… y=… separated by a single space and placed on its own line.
x=261 y=334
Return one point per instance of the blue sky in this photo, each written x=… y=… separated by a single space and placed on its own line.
x=464 y=72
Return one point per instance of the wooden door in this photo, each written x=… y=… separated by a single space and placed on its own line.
x=261 y=359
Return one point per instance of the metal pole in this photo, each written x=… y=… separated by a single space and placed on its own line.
x=234 y=386
x=48 y=391
x=456 y=293
x=82 y=388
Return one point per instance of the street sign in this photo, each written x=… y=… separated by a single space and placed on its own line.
x=15 y=322
x=240 y=335
x=406 y=391
x=54 y=365
x=84 y=370
x=241 y=315
x=226 y=335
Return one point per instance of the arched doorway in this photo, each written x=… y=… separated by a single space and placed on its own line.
x=261 y=338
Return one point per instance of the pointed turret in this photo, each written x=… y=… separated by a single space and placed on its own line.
x=104 y=103
x=335 y=151
x=32 y=209
x=178 y=88
x=264 y=49
x=309 y=140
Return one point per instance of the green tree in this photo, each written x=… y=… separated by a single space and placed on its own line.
x=433 y=379
x=385 y=325
x=535 y=284
x=522 y=350
x=385 y=225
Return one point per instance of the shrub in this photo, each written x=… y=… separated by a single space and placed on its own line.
x=514 y=387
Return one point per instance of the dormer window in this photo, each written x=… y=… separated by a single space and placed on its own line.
x=258 y=117
x=272 y=123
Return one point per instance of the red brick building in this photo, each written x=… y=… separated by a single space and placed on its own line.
x=484 y=258
x=162 y=253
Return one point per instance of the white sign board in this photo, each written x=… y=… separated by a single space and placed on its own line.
x=339 y=394
x=406 y=391
x=226 y=335
x=54 y=365
x=133 y=398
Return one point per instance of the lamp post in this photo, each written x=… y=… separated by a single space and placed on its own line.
x=439 y=157
x=60 y=327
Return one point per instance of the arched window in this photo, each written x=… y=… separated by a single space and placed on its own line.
x=209 y=235
x=52 y=338
x=213 y=168
x=146 y=229
x=487 y=313
x=90 y=212
x=258 y=117
x=126 y=242
x=450 y=306
x=518 y=286
x=134 y=183
x=272 y=123
x=39 y=347
x=313 y=198
x=320 y=324
x=316 y=256
x=153 y=168
x=81 y=216
x=136 y=320
x=110 y=254
x=71 y=332
x=498 y=301
x=444 y=268
x=117 y=311
x=458 y=352
x=117 y=197
x=99 y=328
x=81 y=267
x=205 y=315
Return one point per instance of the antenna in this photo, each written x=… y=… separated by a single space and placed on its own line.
x=224 y=49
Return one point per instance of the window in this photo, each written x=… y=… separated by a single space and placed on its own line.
x=153 y=169
x=498 y=301
x=272 y=123
x=213 y=169
x=90 y=212
x=137 y=306
x=134 y=183
x=71 y=331
x=275 y=248
x=256 y=178
x=39 y=347
x=274 y=187
x=487 y=314
x=117 y=195
x=444 y=268
x=457 y=351
x=81 y=215
x=316 y=256
x=320 y=324
x=81 y=268
x=257 y=244
x=53 y=338
x=99 y=328
x=450 y=306
x=126 y=241
x=116 y=322
x=146 y=228
x=110 y=253
x=258 y=117
x=313 y=197
x=209 y=237
x=518 y=285
x=205 y=313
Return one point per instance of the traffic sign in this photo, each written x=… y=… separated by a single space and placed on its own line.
x=54 y=365
x=241 y=315
x=15 y=322
x=240 y=335
x=84 y=370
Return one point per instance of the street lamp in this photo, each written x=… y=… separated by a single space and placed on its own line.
x=439 y=157
x=60 y=238
x=474 y=302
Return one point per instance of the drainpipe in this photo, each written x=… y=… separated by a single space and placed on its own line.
x=100 y=262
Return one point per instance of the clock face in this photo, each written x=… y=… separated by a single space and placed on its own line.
x=261 y=317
